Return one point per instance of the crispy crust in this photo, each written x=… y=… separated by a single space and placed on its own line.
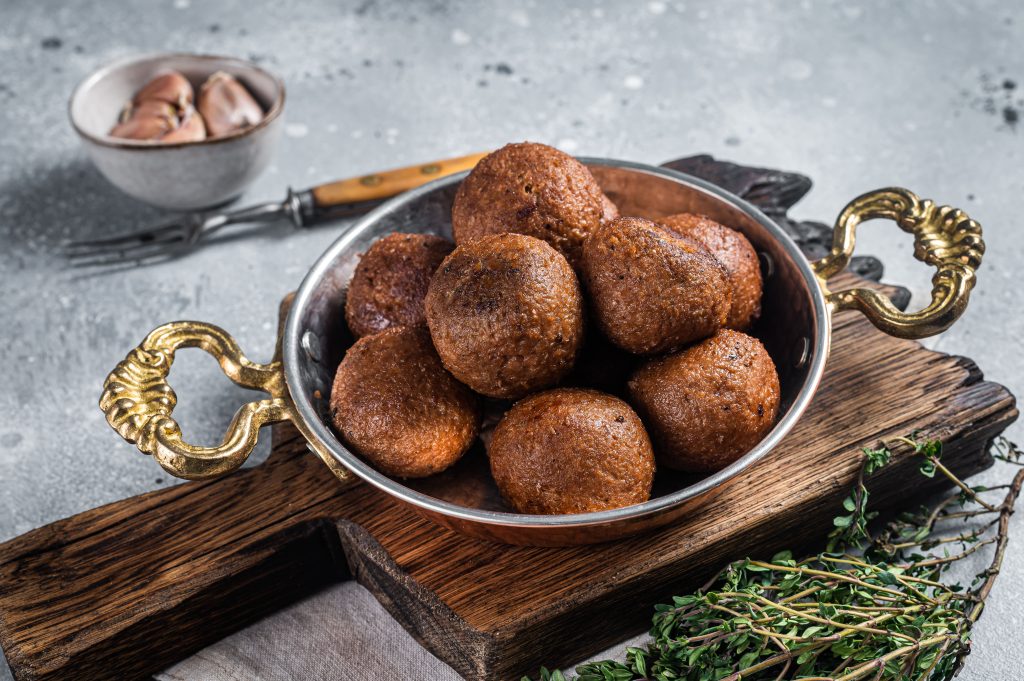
x=396 y=406
x=570 y=450
x=736 y=253
x=506 y=315
x=650 y=291
x=530 y=189
x=391 y=280
x=708 y=405
x=609 y=211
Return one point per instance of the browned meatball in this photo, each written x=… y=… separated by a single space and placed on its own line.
x=571 y=451
x=609 y=211
x=506 y=315
x=708 y=405
x=396 y=406
x=391 y=281
x=529 y=189
x=650 y=291
x=738 y=256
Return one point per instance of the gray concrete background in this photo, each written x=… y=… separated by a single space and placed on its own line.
x=856 y=95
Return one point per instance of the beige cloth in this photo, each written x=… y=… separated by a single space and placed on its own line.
x=339 y=634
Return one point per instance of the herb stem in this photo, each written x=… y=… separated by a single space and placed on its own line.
x=873 y=606
x=1006 y=510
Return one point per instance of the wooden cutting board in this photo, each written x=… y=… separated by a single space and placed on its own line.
x=127 y=589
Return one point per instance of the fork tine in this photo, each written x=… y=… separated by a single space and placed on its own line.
x=126 y=244
x=167 y=245
x=131 y=238
x=109 y=261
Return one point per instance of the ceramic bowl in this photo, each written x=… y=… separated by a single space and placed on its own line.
x=184 y=175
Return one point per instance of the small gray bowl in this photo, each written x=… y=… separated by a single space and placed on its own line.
x=183 y=175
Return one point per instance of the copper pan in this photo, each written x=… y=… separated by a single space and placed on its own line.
x=795 y=327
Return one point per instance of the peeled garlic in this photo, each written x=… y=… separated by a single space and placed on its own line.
x=227 y=106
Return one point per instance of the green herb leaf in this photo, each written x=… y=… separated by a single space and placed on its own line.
x=795 y=618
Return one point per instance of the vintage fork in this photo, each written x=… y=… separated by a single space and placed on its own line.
x=304 y=208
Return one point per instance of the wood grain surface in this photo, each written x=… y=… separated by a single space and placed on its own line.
x=124 y=590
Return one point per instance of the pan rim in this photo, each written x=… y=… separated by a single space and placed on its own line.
x=323 y=440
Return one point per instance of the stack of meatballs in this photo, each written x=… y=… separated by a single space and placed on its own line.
x=620 y=340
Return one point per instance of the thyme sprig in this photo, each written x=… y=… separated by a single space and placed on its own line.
x=870 y=607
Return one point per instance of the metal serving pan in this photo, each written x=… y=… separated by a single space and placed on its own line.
x=795 y=327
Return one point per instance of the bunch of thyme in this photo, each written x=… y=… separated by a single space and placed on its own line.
x=870 y=607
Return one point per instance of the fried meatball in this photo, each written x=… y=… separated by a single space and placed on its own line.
x=396 y=406
x=571 y=451
x=530 y=189
x=506 y=315
x=609 y=211
x=708 y=405
x=650 y=291
x=391 y=281
x=738 y=256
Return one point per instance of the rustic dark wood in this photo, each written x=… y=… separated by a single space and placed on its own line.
x=123 y=591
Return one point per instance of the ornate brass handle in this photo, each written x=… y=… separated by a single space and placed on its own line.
x=944 y=237
x=138 y=401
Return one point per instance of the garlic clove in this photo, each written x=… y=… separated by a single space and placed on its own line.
x=226 y=105
x=149 y=120
x=192 y=128
x=140 y=129
x=153 y=107
x=170 y=87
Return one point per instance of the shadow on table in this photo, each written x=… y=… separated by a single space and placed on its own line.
x=46 y=206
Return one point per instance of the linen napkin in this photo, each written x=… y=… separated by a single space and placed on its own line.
x=339 y=634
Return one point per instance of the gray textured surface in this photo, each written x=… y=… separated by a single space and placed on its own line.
x=855 y=95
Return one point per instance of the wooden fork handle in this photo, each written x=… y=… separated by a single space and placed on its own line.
x=334 y=198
